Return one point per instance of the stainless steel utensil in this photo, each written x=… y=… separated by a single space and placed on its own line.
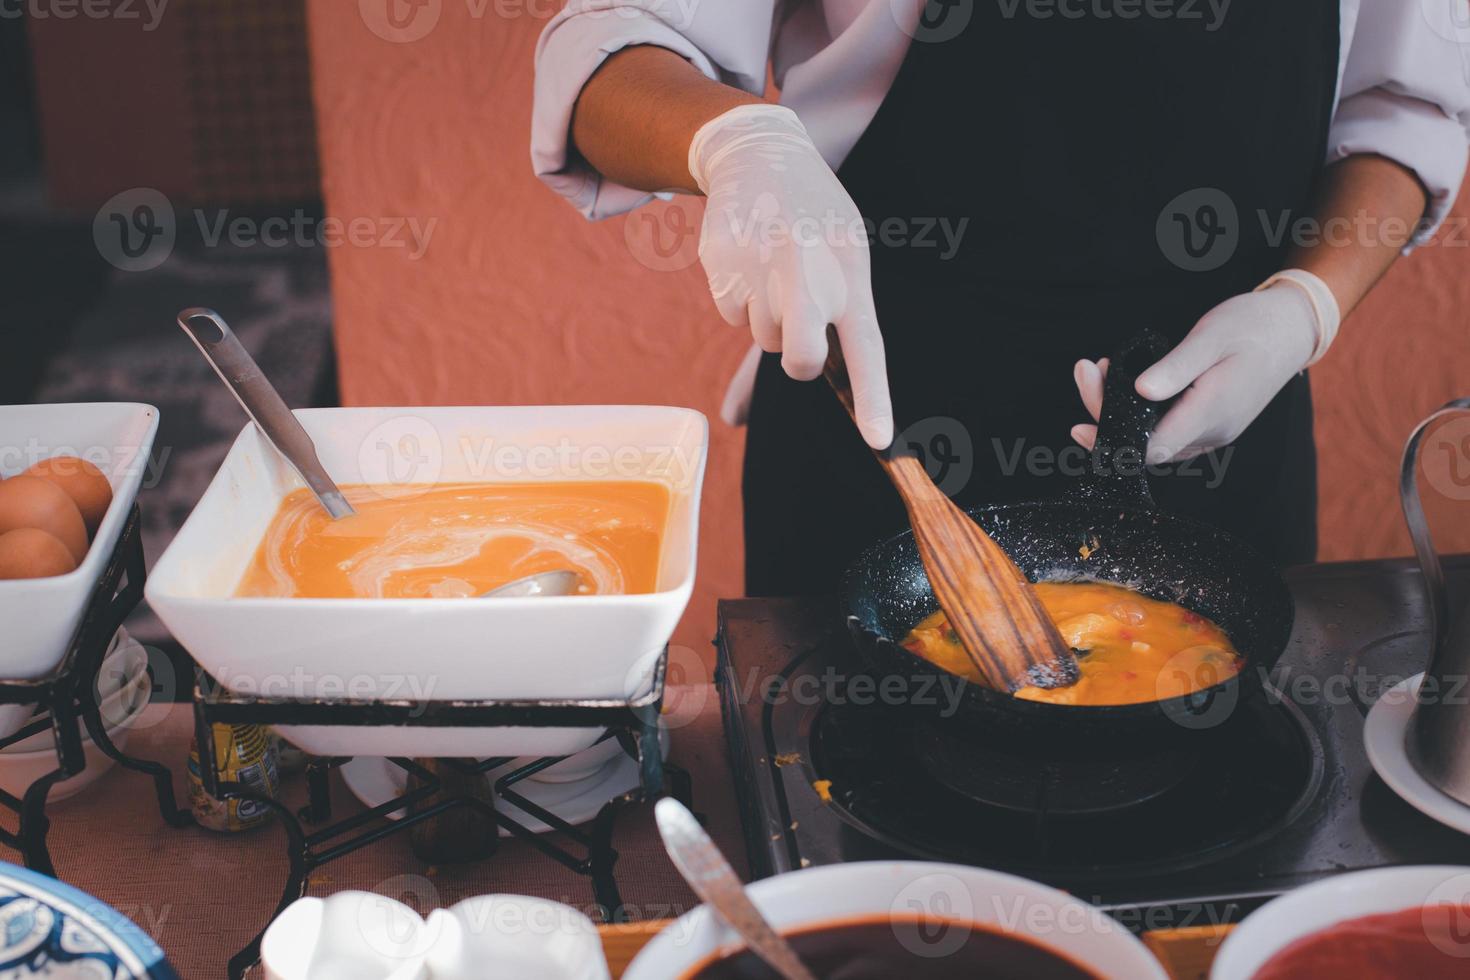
x=559 y=582
x=238 y=370
x=1438 y=741
x=715 y=882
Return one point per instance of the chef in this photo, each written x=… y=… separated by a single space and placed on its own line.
x=986 y=197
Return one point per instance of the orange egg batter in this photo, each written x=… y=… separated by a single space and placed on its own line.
x=457 y=540
x=1130 y=648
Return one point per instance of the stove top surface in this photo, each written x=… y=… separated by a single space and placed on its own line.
x=827 y=773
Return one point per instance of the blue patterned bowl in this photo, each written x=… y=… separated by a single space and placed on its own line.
x=50 y=929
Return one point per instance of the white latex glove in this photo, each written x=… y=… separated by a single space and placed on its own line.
x=1233 y=363
x=786 y=252
x=735 y=409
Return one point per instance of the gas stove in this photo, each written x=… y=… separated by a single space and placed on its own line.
x=826 y=772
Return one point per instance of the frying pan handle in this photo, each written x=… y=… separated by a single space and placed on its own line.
x=1116 y=471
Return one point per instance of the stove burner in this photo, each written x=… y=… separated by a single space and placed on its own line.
x=1173 y=812
x=1086 y=781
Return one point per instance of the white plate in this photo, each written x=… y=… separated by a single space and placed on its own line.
x=42 y=614
x=1320 y=905
x=597 y=646
x=863 y=889
x=375 y=781
x=1384 y=735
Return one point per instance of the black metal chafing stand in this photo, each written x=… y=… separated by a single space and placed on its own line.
x=68 y=693
x=634 y=723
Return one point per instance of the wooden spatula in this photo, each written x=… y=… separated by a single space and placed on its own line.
x=990 y=605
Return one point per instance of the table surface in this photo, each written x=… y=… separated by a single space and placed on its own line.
x=203 y=895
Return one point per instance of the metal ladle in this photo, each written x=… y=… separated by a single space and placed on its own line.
x=253 y=390
x=715 y=882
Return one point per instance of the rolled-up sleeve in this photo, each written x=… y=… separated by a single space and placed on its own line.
x=1406 y=96
x=728 y=40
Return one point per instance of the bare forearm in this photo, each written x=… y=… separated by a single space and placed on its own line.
x=1366 y=212
x=637 y=115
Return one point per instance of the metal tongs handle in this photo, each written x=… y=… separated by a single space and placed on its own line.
x=238 y=370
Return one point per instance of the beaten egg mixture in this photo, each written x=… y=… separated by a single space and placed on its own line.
x=460 y=540
x=1130 y=648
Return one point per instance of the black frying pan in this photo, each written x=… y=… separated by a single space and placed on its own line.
x=1161 y=555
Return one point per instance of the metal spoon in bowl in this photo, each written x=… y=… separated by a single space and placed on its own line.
x=253 y=390
x=559 y=582
x=714 y=881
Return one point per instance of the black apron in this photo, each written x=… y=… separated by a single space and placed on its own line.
x=1038 y=189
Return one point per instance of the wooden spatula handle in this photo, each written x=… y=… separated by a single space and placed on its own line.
x=991 y=606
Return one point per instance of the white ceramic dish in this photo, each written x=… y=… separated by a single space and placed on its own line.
x=872 y=888
x=354 y=935
x=425 y=649
x=1282 y=921
x=18 y=770
x=1384 y=732
x=41 y=615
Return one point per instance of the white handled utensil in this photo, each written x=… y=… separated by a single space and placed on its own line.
x=253 y=390
x=715 y=882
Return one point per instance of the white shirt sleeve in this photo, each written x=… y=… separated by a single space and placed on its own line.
x=728 y=40
x=1406 y=94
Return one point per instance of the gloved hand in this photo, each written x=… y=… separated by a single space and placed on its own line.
x=786 y=252
x=1233 y=363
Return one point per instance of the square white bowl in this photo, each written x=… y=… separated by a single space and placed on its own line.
x=599 y=646
x=41 y=615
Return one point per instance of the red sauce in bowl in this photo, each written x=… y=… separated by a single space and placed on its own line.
x=911 y=948
x=1420 y=943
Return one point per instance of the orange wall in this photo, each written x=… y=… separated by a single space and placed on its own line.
x=519 y=300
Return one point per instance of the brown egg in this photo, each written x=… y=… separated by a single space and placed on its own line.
x=84 y=483
x=29 y=553
x=29 y=501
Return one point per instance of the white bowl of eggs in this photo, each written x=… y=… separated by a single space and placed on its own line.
x=68 y=477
